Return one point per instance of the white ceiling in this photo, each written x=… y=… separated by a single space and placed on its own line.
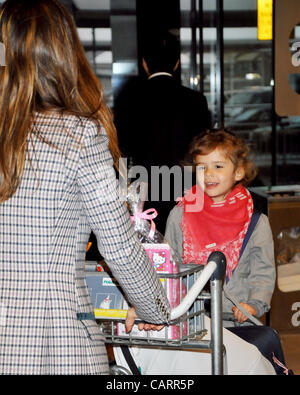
x=88 y=4
x=211 y=5
x=184 y=4
x=92 y=4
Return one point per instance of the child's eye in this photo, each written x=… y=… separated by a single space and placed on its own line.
x=201 y=167
x=219 y=166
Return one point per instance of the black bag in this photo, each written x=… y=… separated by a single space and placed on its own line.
x=265 y=338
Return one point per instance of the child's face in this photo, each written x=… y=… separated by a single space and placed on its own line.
x=216 y=174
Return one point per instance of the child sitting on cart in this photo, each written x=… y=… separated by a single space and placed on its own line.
x=224 y=213
x=225 y=221
x=223 y=169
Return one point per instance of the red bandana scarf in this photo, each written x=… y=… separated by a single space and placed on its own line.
x=218 y=226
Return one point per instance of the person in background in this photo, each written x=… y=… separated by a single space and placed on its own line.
x=57 y=182
x=156 y=118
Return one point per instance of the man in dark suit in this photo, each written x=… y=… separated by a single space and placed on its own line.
x=157 y=118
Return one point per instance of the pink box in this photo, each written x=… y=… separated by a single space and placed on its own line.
x=160 y=256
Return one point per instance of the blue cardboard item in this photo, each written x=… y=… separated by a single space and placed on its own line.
x=106 y=295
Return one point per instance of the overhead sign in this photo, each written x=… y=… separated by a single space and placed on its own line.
x=287 y=58
x=265 y=19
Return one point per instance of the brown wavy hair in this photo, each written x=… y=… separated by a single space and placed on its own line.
x=46 y=69
x=233 y=147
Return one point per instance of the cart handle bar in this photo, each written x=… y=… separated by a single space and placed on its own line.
x=196 y=288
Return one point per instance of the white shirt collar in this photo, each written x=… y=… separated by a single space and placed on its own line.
x=160 y=73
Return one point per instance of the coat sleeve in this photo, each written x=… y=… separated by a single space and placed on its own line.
x=110 y=221
x=262 y=267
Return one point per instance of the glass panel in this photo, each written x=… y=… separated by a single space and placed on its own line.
x=209 y=53
x=289 y=128
x=247 y=80
x=97 y=44
x=248 y=89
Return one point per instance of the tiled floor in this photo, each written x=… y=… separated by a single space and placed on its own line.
x=291 y=348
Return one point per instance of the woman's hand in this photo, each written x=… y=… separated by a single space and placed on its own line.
x=239 y=316
x=131 y=317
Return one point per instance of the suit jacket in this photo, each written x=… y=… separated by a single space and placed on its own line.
x=156 y=120
x=68 y=188
x=253 y=279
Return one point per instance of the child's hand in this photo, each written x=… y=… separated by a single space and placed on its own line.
x=130 y=318
x=239 y=316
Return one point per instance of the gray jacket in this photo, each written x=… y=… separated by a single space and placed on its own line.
x=253 y=280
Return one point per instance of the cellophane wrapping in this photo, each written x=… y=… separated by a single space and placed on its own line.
x=136 y=196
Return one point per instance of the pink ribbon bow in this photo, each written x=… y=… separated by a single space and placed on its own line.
x=149 y=214
x=285 y=369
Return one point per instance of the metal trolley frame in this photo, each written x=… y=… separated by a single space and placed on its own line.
x=188 y=316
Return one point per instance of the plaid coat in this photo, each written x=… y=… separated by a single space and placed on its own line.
x=67 y=189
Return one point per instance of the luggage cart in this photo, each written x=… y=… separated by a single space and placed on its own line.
x=188 y=316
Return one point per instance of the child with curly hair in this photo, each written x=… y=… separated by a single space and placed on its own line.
x=223 y=169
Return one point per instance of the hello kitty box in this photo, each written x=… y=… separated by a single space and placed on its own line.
x=159 y=255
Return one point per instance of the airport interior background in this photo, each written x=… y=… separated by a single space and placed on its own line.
x=222 y=56
x=227 y=52
x=236 y=77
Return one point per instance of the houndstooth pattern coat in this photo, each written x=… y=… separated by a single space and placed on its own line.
x=67 y=189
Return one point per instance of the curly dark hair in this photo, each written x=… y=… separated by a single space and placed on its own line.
x=233 y=146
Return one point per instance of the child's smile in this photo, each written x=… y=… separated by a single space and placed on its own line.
x=211 y=185
x=217 y=174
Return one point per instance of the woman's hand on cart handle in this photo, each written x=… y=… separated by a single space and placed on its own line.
x=130 y=319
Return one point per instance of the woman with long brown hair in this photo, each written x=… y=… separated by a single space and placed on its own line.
x=57 y=183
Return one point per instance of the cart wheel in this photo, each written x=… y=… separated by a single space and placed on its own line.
x=117 y=370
